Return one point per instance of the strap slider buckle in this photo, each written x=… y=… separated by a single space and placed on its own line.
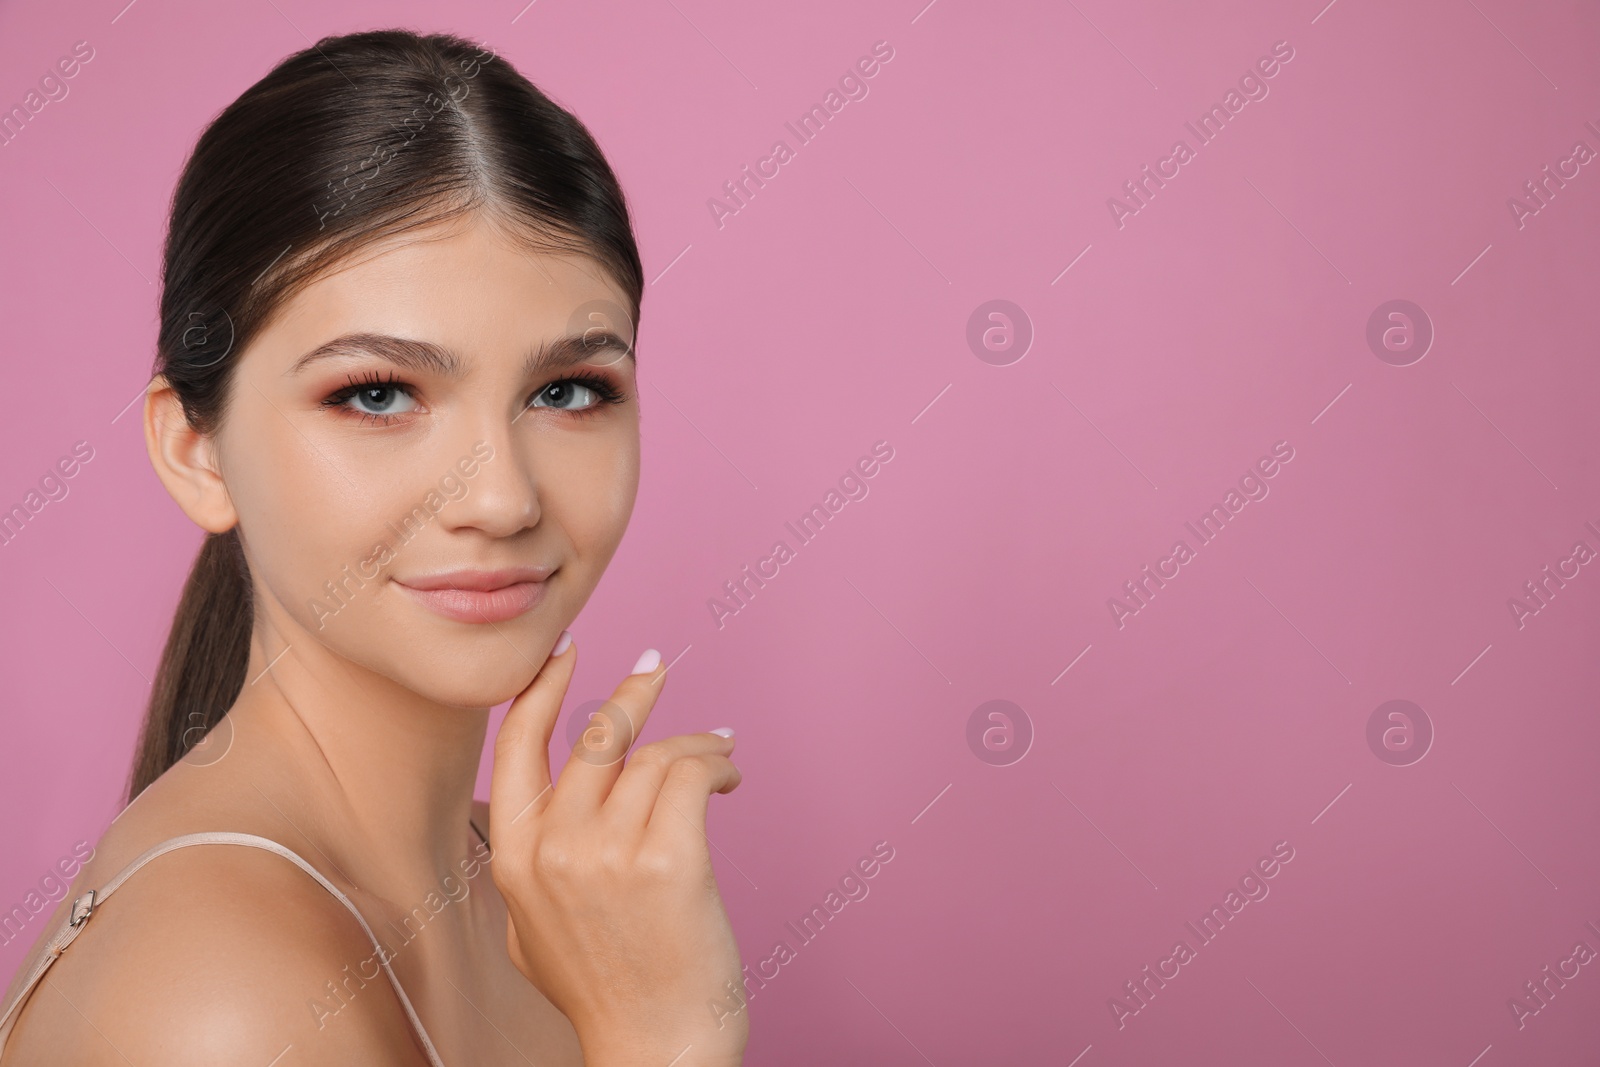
x=82 y=908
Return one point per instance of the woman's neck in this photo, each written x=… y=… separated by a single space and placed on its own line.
x=377 y=776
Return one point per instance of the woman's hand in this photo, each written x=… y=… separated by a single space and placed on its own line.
x=614 y=913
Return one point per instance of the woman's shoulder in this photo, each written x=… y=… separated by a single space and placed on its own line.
x=211 y=953
x=215 y=954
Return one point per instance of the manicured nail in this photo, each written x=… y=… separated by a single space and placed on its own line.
x=647 y=662
x=562 y=642
x=722 y=731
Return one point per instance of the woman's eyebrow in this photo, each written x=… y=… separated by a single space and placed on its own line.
x=593 y=345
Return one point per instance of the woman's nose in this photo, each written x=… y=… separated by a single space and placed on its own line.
x=496 y=491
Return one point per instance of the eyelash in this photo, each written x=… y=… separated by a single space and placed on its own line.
x=602 y=387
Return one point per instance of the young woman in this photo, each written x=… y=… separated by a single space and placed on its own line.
x=396 y=384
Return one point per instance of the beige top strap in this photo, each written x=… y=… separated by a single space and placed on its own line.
x=84 y=907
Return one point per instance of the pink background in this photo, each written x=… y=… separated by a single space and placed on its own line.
x=830 y=313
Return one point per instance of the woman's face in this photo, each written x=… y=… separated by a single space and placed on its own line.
x=437 y=444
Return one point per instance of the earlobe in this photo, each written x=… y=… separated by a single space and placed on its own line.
x=185 y=460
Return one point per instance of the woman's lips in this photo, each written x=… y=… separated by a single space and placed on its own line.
x=475 y=605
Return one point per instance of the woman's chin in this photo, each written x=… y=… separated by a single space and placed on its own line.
x=476 y=689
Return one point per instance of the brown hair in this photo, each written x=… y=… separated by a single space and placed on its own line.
x=352 y=140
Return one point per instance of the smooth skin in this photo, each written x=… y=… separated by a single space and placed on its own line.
x=598 y=936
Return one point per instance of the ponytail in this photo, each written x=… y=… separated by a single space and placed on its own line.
x=203 y=666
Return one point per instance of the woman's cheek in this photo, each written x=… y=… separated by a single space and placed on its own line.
x=588 y=485
x=601 y=503
x=329 y=558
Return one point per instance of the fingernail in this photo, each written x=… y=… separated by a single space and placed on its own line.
x=722 y=731
x=562 y=642
x=647 y=662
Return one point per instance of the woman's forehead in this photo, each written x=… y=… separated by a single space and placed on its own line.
x=468 y=288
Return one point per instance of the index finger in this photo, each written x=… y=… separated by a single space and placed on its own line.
x=521 y=774
x=596 y=761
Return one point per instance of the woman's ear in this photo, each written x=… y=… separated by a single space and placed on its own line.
x=185 y=460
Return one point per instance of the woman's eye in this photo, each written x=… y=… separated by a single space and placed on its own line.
x=566 y=396
x=381 y=400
